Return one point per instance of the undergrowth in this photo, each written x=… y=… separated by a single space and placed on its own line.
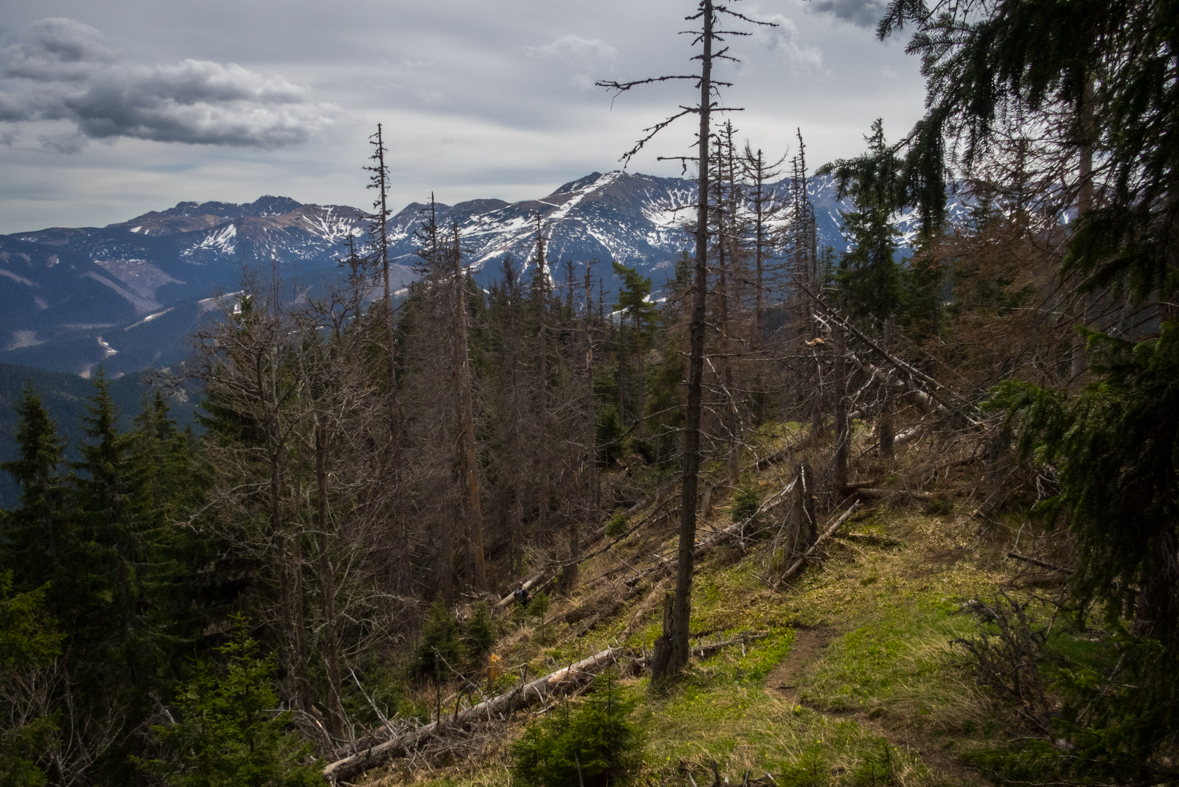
x=890 y=700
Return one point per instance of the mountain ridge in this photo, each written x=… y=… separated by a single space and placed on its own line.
x=74 y=297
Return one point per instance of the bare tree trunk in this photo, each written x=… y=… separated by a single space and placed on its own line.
x=542 y=350
x=621 y=371
x=327 y=582
x=1079 y=315
x=841 y=447
x=468 y=462
x=380 y=182
x=802 y=512
x=591 y=403
x=675 y=634
x=884 y=428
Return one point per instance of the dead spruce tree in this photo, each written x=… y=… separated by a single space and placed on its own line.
x=672 y=649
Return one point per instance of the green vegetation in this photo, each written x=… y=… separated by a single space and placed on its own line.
x=440 y=646
x=593 y=743
x=227 y=732
x=367 y=480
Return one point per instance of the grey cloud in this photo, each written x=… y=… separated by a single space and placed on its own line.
x=572 y=46
x=582 y=57
x=862 y=13
x=68 y=142
x=784 y=38
x=61 y=72
x=55 y=50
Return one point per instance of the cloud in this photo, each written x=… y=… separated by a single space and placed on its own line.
x=862 y=13
x=582 y=57
x=60 y=71
x=69 y=142
x=784 y=38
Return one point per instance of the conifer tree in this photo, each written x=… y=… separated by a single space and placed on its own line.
x=29 y=645
x=227 y=731
x=870 y=278
x=1091 y=85
x=36 y=536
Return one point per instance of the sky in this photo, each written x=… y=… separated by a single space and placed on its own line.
x=112 y=109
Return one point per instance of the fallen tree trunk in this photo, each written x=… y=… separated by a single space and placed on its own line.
x=529 y=583
x=556 y=683
x=716 y=539
x=891 y=493
x=566 y=680
x=1038 y=562
x=829 y=532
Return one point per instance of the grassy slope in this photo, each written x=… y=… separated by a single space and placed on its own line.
x=856 y=683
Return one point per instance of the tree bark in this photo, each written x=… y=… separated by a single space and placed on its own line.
x=561 y=681
x=676 y=628
x=468 y=464
x=841 y=447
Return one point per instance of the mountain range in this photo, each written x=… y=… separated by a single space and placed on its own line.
x=128 y=295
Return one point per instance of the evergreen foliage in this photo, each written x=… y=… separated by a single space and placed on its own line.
x=746 y=502
x=594 y=743
x=539 y=609
x=228 y=731
x=96 y=548
x=1114 y=446
x=36 y=535
x=869 y=276
x=480 y=634
x=440 y=646
x=617 y=524
x=28 y=644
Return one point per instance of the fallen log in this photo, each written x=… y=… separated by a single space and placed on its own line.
x=566 y=680
x=716 y=539
x=556 y=683
x=1040 y=563
x=827 y=534
x=531 y=582
x=891 y=493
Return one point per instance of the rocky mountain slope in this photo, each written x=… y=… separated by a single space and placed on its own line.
x=127 y=295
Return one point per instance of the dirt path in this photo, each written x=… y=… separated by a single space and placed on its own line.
x=784 y=680
x=808 y=647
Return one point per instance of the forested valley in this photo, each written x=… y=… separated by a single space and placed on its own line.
x=939 y=475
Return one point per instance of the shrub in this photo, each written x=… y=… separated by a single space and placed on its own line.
x=811 y=769
x=439 y=633
x=878 y=769
x=539 y=607
x=593 y=743
x=611 y=437
x=480 y=632
x=745 y=502
x=617 y=525
x=228 y=731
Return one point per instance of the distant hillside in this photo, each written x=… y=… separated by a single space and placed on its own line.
x=65 y=397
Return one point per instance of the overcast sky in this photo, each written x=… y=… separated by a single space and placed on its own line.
x=111 y=109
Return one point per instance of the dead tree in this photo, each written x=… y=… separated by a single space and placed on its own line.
x=540 y=289
x=379 y=236
x=672 y=650
x=468 y=462
x=764 y=206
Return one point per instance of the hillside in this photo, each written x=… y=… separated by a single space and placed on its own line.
x=849 y=672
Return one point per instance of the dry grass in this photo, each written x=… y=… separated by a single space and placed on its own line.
x=890 y=688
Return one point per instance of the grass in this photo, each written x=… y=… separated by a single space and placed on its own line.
x=889 y=683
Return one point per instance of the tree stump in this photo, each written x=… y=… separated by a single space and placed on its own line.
x=802 y=509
